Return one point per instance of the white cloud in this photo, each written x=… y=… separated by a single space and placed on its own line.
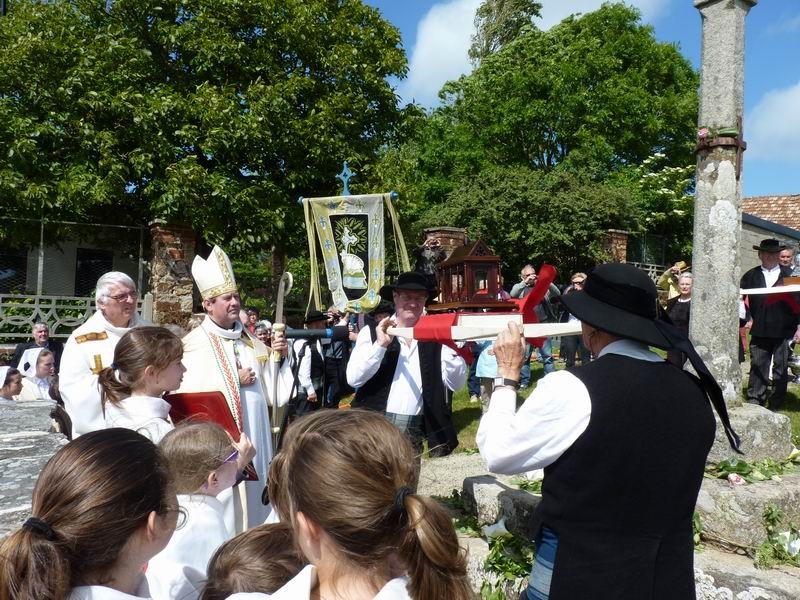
x=555 y=11
x=772 y=129
x=444 y=36
x=440 y=51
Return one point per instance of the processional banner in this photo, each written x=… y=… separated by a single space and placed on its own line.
x=351 y=236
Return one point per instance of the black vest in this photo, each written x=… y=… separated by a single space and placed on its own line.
x=317 y=368
x=621 y=497
x=436 y=410
x=772 y=318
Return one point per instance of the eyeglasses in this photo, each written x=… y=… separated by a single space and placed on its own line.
x=123 y=297
x=578 y=282
x=232 y=458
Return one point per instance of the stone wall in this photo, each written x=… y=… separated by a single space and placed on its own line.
x=170 y=277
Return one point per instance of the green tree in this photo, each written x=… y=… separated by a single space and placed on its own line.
x=497 y=22
x=596 y=95
x=559 y=217
x=219 y=113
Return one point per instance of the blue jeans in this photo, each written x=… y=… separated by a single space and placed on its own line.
x=542 y=572
x=473 y=383
x=546 y=356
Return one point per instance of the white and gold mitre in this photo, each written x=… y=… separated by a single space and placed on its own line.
x=214 y=275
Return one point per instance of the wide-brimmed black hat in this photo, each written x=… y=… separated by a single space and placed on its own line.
x=622 y=300
x=770 y=245
x=411 y=281
x=315 y=315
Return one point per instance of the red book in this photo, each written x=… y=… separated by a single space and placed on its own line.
x=207 y=406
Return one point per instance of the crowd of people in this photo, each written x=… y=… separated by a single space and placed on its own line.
x=215 y=464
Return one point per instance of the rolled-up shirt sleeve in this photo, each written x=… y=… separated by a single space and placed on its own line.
x=365 y=359
x=454 y=369
x=545 y=426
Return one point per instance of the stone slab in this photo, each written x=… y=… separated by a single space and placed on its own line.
x=489 y=498
x=25 y=446
x=764 y=434
x=723 y=576
x=734 y=513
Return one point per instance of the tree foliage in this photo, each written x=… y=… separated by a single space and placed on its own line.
x=527 y=215
x=591 y=99
x=498 y=22
x=218 y=113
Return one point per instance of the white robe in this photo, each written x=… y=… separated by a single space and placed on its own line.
x=145 y=414
x=34 y=389
x=101 y=592
x=88 y=350
x=189 y=550
x=301 y=585
x=209 y=355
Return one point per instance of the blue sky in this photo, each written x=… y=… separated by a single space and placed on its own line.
x=436 y=38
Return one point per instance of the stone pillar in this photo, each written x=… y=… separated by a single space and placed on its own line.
x=616 y=245
x=170 y=277
x=718 y=198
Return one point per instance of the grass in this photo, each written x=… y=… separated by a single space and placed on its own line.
x=466 y=415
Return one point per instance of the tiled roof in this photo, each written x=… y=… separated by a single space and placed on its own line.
x=783 y=210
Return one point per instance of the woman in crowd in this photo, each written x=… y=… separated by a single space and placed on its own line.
x=38 y=377
x=263 y=332
x=147 y=363
x=11 y=380
x=365 y=533
x=102 y=507
x=678 y=309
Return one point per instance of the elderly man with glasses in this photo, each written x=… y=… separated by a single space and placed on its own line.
x=90 y=349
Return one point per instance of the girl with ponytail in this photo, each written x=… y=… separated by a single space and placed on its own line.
x=147 y=363
x=102 y=507
x=343 y=480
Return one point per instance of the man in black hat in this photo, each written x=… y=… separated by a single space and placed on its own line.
x=623 y=441
x=407 y=379
x=774 y=323
x=308 y=357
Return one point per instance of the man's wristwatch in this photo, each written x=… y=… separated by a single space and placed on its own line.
x=503 y=382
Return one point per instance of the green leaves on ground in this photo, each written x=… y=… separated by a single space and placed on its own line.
x=780 y=546
x=752 y=473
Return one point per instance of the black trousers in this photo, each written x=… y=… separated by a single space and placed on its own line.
x=763 y=352
x=571 y=344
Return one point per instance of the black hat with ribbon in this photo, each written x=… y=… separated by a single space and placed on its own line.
x=770 y=245
x=411 y=281
x=622 y=300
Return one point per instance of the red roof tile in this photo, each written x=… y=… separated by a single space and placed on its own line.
x=783 y=210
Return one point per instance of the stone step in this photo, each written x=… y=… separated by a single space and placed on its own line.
x=724 y=576
x=718 y=576
x=733 y=514
x=728 y=514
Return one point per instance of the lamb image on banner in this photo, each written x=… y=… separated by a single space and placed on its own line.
x=351 y=237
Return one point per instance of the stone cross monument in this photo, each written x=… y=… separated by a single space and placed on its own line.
x=718 y=199
x=714 y=320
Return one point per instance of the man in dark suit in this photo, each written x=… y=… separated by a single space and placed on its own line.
x=774 y=322
x=41 y=339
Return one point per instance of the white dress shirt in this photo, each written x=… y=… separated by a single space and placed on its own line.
x=405 y=395
x=101 y=592
x=549 y=421
x=771 y=275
